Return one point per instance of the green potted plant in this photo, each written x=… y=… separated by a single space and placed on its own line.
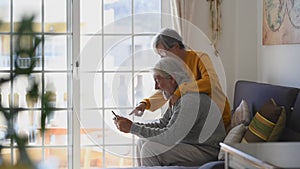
x=25 y=45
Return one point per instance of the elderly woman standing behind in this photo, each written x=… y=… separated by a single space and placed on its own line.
x=169 y=42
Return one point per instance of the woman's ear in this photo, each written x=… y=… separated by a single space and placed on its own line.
x=176 y=45
x=176 y=48
x=173 y=80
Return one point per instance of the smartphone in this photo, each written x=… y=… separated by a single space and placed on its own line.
x=114 y=114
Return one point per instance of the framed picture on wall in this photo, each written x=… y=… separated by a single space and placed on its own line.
x=281 y=22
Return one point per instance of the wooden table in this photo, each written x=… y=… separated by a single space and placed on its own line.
x=262 y=155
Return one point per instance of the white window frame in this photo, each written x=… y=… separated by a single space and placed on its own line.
x=165 y=7
x=73 y=51
x=74 y=159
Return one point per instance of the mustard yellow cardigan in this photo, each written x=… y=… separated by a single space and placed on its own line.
x=207 y=81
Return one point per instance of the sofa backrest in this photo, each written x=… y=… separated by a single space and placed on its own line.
x=256 y=94
x=292 y=132
x=295 y=116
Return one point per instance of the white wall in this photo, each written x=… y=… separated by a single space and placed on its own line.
x=227 y=44
x=240 y=17
x=239 y=59
x=227 y=41
x=241 y=50
x=275 y=64
x=278 y=64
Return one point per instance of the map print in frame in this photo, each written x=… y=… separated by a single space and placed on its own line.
x=281 y=22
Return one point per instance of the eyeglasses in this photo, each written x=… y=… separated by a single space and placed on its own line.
x=162 y=47
x=163 y=52
x=159 y=78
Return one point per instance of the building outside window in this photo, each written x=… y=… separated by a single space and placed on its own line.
x=113 y=71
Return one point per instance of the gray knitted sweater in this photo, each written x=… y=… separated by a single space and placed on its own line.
x=194 y=119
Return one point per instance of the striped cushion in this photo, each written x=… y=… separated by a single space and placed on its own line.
x=267 y=124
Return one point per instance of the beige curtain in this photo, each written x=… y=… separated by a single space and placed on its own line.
x=184 y=12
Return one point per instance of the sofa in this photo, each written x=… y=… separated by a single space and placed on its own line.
x=256 y=94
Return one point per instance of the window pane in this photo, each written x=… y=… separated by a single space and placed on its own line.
x=144 y=56
x=91 y=157
x=143 y=86
x=21 y=86
x=91 y=127
x=56 y=130
x=118 y=156
x=117 y=91
x=91 y=138
x=91 y=53
x=5 y=16
x=60 y=119
x=90 y=16
x=55 y=52
x=32 y=7
x=6 y=154
x=19 y=90
x=25 y=84
x=35 y=154
x=60 y=154
x=147 y=16
x=55 y=20
x=5 y=90
x=91 y=84
x=27 y=42
x=56 y=84
x=117 y=16
x=112 y=135
x=4 y=52
x=55 y=136
x=118 y=50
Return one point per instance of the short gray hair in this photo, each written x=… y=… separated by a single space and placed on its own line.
x=168 y=37
x=175 y=67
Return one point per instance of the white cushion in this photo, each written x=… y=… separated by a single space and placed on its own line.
x=241 y=115
x=235 y=135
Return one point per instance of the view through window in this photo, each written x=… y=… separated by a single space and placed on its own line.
x=115 y=57
x=116 y=54
x=53 y=71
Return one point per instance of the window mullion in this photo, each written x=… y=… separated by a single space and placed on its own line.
x=75 y=123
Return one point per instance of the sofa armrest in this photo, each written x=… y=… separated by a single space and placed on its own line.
x=213 y=165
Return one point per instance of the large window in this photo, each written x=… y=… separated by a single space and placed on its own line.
x=116 y=54
x=113 y=71
x=53 y=72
